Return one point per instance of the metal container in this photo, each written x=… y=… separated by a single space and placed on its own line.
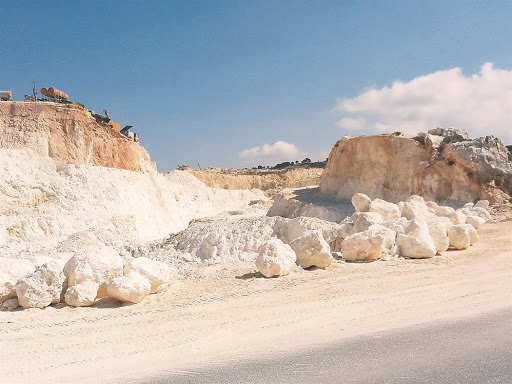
x=5 y=95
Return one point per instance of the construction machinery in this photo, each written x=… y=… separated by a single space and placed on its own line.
x=130 y=135
x=5 y=95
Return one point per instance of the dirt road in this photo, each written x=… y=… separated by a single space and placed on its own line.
x=234 y=315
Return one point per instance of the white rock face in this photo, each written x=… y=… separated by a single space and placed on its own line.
x=482 y=204
x=156 y=272
x=416 y=243
x=82 y=294
x=369 y=245
x=475 y=221
x=275 y=258
x=311 y=249
x=363 y=220
x=473 y=234
x=459 y=236
x=130 y=288
x=11 y=270
x=98 y=263
x=388 y=211
x=41 y=288
x=361 y=202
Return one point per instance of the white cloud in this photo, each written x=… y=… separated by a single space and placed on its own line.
x=270 y=154
x=481 y=104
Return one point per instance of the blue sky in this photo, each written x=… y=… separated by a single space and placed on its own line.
x=202 y=81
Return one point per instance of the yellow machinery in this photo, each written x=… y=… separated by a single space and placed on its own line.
x=115 y=125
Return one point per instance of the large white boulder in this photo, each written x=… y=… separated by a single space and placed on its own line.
x=388 y=211
x=130 y=288
x=11 y=270
x=416 y=209
x=99 y=263
x=363 y=220
x=369 y=245
x=156 y=272
x=41 y=288
x=311 y=249
x=459 y=236
x=275 y=258
x=82 y=294
x=444 y=211
x=416 y=243
x=361 y=202
x=473 y=234
x=475 y=221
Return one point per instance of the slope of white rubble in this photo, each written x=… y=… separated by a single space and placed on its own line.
x=44 y=206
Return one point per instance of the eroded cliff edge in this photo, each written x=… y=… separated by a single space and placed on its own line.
x=68 y=134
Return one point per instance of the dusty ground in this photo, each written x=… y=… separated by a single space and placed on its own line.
x=233 y=315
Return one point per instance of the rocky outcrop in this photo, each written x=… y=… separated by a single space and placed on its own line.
x=443 y=165
x=69 y=134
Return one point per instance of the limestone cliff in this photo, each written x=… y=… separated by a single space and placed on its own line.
x=68 y=134
x=438 y=166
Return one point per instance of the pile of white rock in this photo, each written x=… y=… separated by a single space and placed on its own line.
x=94 y=272
x=379 y=230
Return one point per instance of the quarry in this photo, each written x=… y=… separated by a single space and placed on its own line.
x=94 y=239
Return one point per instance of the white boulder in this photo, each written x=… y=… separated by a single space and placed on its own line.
x=416 y=243
x=458 y=217
x=369 y=245
x=41 y=288
x=130 y=288
x=475 y=221
x=388 y=211
x=82 y=294
x=482 y=204
x=363 y=220
x=416 y=209
x=275 y=258
x=459 y=236
x=473 y=234
x=98 y=263
x=311 y=249
x=361 y=202
x=156 y=272
x=444 y=211
x=11 y=270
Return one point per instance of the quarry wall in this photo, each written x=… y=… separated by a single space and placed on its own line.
x=68 y=134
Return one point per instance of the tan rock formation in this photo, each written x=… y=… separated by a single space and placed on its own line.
x=69 y=134
x=395 y=167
